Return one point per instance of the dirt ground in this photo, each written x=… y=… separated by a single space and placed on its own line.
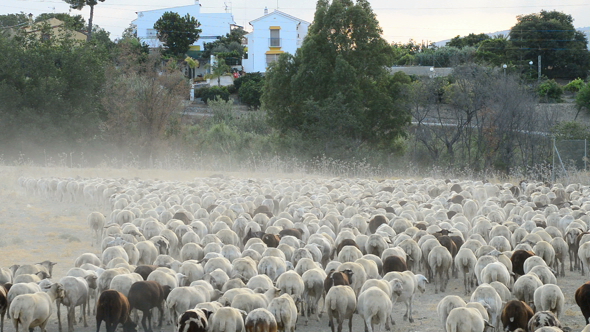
x=33 y=229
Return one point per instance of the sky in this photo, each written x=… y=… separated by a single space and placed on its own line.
x=421 y=20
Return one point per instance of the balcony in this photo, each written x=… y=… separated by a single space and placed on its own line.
x=274 y=42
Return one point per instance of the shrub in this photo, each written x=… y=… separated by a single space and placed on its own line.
x=232 y=89
x=251 y=92
x=575 y=85
x=583 y=98
x=550 y=91
x=212 y=93
x=256 y=77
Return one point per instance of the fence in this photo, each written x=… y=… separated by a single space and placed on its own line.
x=569 y=155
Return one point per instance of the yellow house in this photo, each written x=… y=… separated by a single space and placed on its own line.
x=58 y=29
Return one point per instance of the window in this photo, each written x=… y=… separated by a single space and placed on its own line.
x=270 y=58
x=275 y=37
x=151 y=34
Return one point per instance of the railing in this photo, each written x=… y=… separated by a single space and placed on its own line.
x=274 y=42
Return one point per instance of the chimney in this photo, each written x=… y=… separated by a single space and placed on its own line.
x=30 y=20
x=265 y=11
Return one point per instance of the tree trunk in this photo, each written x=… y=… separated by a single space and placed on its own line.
x=89 y=35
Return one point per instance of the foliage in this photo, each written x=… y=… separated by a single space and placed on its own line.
x=76 y=22
x=79 y=5
x=256 y=77
x=550 y=91
x=551 y=34
x=212 y=93
x=177 y=33
x=251 y=92
x=567 y=130
x=493 y=51
x=218 y=68
x=445 y=56
x=141 y=97
x=583 y=98
x=10 y=20
x=574 y=85
x=230 y=45
x=469 y=40
x=336 y=84
x=50 y=90
x=222 y=109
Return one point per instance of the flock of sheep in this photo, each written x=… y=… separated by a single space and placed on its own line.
x=225 y=254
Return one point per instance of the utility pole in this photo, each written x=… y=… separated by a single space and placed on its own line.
x=539 y=70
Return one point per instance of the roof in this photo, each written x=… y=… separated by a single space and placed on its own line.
x=160 y=9
x=278 y=12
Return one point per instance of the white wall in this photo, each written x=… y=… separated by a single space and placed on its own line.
x=213 y=25
x=292 y=33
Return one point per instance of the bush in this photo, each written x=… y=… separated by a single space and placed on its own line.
x=256 y=77
x=232 y=89
x=575 y=85
x=583 y=98
x=250 y=93
x=550 y=91
x=211 y=93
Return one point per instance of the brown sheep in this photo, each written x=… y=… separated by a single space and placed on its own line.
x=113 y=308
x=337 y=279
x=145 y=295
x=271 y=240
x=377 y=221
x=291 y=231
x=145 y=270
x=518 y=257
x=516 y=314
x=582 y=297
x=394 y=263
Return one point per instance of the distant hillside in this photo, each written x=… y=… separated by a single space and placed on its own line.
x=441 y=43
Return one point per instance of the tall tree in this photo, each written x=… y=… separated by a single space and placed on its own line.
x=336 y=85
x=79 y=4
x=551 y=35
x=177 y=33
x=76 y=22
x=10 y=20
x=469 y=40
x=218 y=68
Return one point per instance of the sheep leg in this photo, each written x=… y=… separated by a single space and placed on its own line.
x=58 y=304
x=71 y=318
x=84 y=314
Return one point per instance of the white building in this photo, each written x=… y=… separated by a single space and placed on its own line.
x=213 y=25
x=272 y=35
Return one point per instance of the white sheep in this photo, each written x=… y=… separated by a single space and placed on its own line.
x=76 y=293
x=313 y=281
x=216 y=278
x=87 y=258
x=524 y=288
x=359 y=274
x=561 y=249
x=545 y=250
x=32 y=310
x=191 y=251
x=182 y=299
x=291 y=283
x=374 y=306
x=489 y=298
x=445 y=306
x=218 y=263
x=227 y=319
x=272 y=267
x=495 y=272
x=249 y=302
x=147 y=252
x=260 y=320
x=341 y=304
x=244 y=268
x=465 y=262
x=440 y=262
x=584 y=256
x=465 y=319
x=96 y=221
x=260 y=281
x=549 y=298
x=545 y=274
x=411 y=284
x=285 y=312
x=122 y=282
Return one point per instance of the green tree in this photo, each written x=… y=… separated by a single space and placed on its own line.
x=551 y=34
x=583 y=99
x=76 y=22
x=469 y=40
x=177 y=33
x=493 y=51
x=79 y=4
x=250 y=93
x=218 y=68
x=10 y=20
x=336 y=85
x=230 y=45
